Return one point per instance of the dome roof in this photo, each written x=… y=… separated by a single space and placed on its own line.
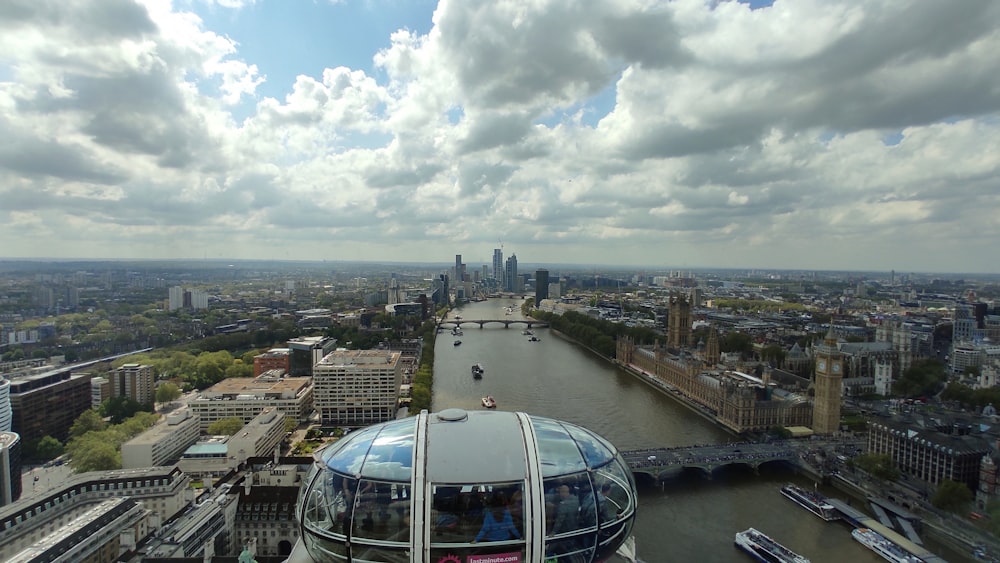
x=427 y=483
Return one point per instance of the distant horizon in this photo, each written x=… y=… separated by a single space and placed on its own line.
x=795 y=136
x=446 y=265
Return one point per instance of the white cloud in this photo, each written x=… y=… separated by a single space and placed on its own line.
x=621 y=132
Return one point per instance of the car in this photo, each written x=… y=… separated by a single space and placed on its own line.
x=651 y=458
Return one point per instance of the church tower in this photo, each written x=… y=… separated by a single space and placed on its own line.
x=829 y=375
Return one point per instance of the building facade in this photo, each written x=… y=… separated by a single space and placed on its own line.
x=163 y=491
x=10 y=468
x=47 y=404
x=273 y=359
x=134 y=381
x=306 y=351
x=357 y=387
x=930 y=450
x=245 y=398
x=541 y=285
x=164 y=442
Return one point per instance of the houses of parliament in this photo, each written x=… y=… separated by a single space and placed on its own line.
x=739 y=401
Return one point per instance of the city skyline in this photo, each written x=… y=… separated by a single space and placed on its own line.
x=827 y=136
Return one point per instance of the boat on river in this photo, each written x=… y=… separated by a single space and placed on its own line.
x=811 y=501
x=478 y=371
x=888 y=549
x=489 y=402
x=457 y=343
x=763 y=548
x=534 y=339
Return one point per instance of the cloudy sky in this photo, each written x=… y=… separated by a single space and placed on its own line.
x=814 y=134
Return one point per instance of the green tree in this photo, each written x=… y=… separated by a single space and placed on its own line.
x=923 y=378
x=167 y=392
x=952 y=496
x=88 y=421
x=225 y=426
x=879 y=466
x=48 y=448
x=93 y=453
x=117 y=409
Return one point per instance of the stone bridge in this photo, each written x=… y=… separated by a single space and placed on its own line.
x=530 y=323
x=662 y=463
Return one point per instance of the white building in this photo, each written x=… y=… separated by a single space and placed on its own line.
x=164 y=442
x=357 y=387
x=218 y=455
x=161 y=490
x=245 y=397
x=100 y=390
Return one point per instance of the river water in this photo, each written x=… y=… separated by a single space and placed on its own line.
x=690 y=518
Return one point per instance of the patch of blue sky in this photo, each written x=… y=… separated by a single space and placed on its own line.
x=892 y=139
x=757 y=4
x=455 y=115
x=590 y=111
x=288 y=39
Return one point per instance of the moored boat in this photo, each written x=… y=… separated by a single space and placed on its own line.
x=489 y=403
x=811 y=501
x=763 y=548
x=883 y=546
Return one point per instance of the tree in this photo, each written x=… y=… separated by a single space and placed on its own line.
x=119 y=408
x=92 y=453
x=88 y=421
x=952 y=496
x=167 y=392
x=48 y=448
x=879 y=466
x=923 y=378
x=225 y=426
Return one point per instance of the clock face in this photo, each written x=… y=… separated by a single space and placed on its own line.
x=836 y=367
x=821 y=365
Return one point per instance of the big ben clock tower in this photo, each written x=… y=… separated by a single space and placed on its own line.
x=829 y=375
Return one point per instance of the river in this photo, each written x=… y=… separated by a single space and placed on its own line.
x=690 y=518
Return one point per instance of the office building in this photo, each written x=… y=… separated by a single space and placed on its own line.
x=541 y=285
x=498 y=265
x=10 y=467
x=218 y=455
x=164 y=442
x=459 y=269
x=932 y=447
x=202 y=532
x=136 y=382
x=245 y=397
x=100 y=533
x=357 y=387
x=273 y=359
x=305 y=351
x=161 y=490
x=46 y=404
x=6 y=415
x=511 y=280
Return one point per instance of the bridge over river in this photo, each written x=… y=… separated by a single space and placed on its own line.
x=530 y=323
x=661 y=463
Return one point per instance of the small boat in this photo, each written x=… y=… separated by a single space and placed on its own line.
x=478 y=371
x=457 y=343
x=489 y=403
x=534 y=339
x=763 y=548
x=527 y=332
